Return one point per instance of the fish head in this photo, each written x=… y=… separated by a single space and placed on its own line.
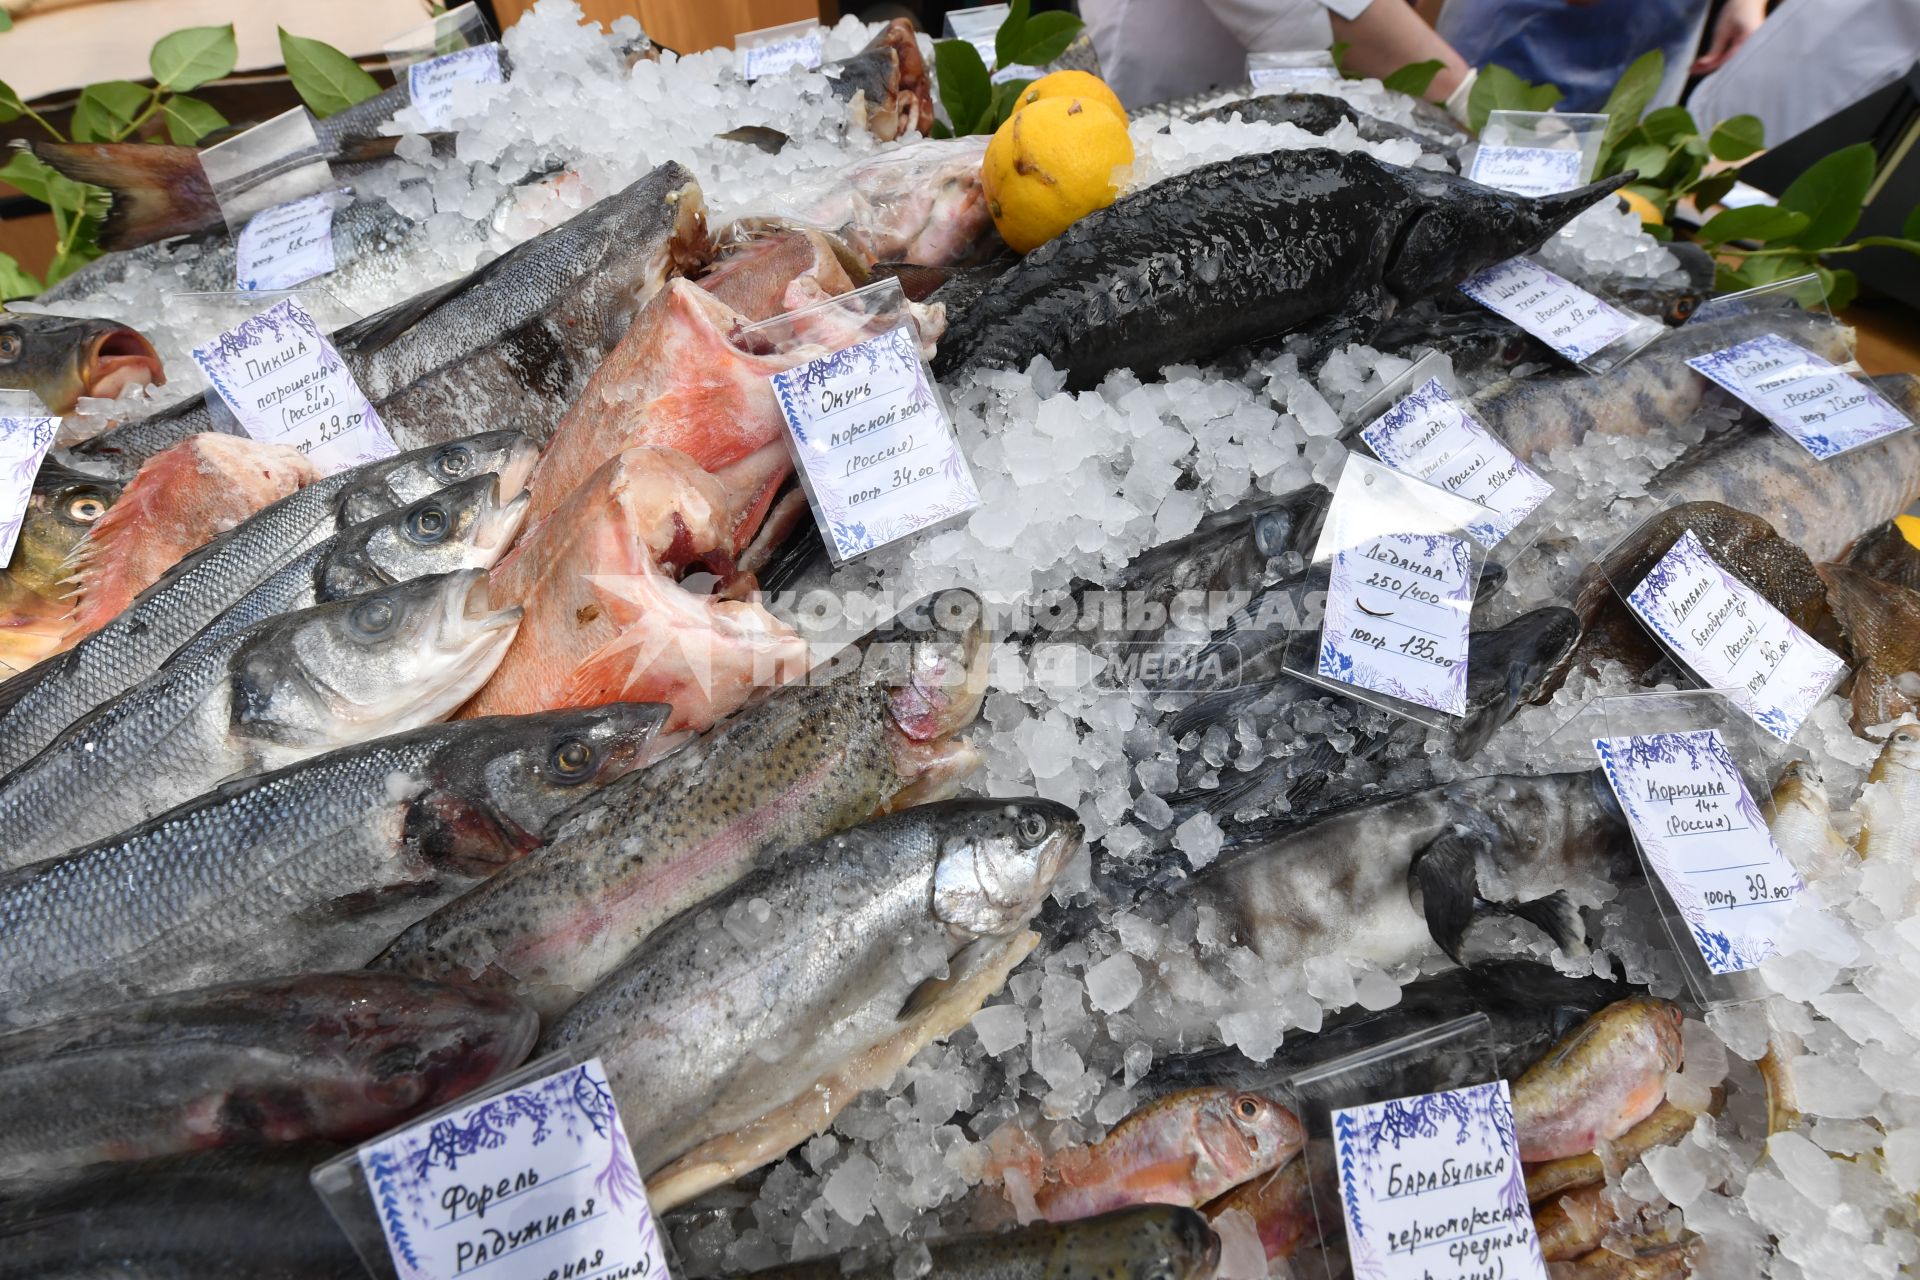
x=382 y=662
x=1149 y=1242
x=1247 y=1134
x=64 y=505
x=410 y=1044
x=1458 y=228
x=1901 y=754
x=391 y=483
x=61 y=358
x=468 y=525
x=499 y=786
x=1512 y=665
x=933 y=659
x=997 y=860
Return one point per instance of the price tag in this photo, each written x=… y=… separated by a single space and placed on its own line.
x=430 y=84
x=1824 y=409
x=979 y=26
x=286 y=245
x=1704 y=836
x=1529 y=171
x=24 y=442
x=1431 y=1188
x=542 y=1174
x=287 y=385
x=1431 y=436
x=877 y=455
x=1559 y=313
x=1397 y=612
x=1733 y=639
x=771 y=56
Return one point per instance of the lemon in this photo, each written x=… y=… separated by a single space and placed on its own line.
x=1909 y=528
x=1083 y=85
x=1649 y=211
x=1052 y=163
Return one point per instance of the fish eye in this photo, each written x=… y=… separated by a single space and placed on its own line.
x=454 y=461
x=1269 y=535
x=427 y=524
x=1032 y=829
x=373 y=618
x=1248 y=1109
x=10 y=345
x=571 y=759
x=86 y=508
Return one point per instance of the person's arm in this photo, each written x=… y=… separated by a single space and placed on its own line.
x=1389 y=35
x=1738 y=19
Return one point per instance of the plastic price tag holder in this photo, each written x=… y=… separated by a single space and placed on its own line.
x=1588 y=331
x=215 y=313
x=1400 y=569
x=536 y=1168
x=872 y=439
x=1538 y=153
x=278 y=197
x=438 y=57
x=978 y=25
x=772 y=50
x=1292 y=70
x=1690 y=772
x=1825 y=408
x=1721 y=631
x=1803 y=292
x=1422 y=424
x=27 y=432
x=1412 y=1165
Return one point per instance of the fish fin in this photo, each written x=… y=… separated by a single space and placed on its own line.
x=916 y=281
x=1356 y=321
x=1483 y=723
x=1557 y=917
x=925 y=996
x=1445 y=872
x=378 y=330
x=768 y=139
x=157 y=191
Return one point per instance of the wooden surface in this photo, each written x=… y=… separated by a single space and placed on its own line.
x=1888 y=335
x=688 y=26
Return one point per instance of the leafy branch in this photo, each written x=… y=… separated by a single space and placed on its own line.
x=973 y=102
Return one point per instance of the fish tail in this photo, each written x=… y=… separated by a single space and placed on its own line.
x=157 y=191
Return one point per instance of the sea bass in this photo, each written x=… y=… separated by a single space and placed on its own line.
x=874 y=726
x=177 y=503
x=61 y=358
x=1389 y=879
x=331 y=1056
x=710 y=1033
x=36 y=590
x=269 y=695
x=511 y=343
x=1600 y=1081
x=1324 y=242
x=315 y=866
x=36 y=705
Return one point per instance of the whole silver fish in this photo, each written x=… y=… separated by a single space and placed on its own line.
x=315 y=866
x=511 y=343
x=875 y=727
x=271 y=694
x=725 y=1016
x=38 y=704
x=334 y=1056
x=1384 y=881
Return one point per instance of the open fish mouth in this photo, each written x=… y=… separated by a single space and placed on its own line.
x=117 y=359
x=500 y=523
x=477 y=611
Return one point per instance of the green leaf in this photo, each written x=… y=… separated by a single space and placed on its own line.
x=6 y=20
x=965 y=87
x=1632 y=93
x=11 y=107
x=40 y=181
x=1710 y=191
x=941 y=130
x=1658 y=230
x=189 y=119
x=326 y=79
x=1755 y=222
x=1737 y=138
x=1044 y=38
x=1008 y=37
x=15 y=280
x=193 y=57
x=1911 y=228
x=1830 y=194
x=1005 y=95
x=1728 y=279
x=1415 y=78
x=1666 y=125
x=1842 y=287
x=1339 y=55
x=1498 y=89
x=1649 y=161
x=106 y=111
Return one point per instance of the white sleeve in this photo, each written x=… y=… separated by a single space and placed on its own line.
x=1265 y=26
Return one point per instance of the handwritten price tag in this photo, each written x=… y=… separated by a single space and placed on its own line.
x=1704 y=836
x=542 y=1174
x=771 y=57
x=1733 y=639
x=431 y=84
x=1397 y=611
x=1824 y=409
x=1559 y=313
x=287 y=385
x=1431 y=1188
x=286 y=245
x=24 y=442
x=877 y=456
x=1529 y=171
x=1431 y=436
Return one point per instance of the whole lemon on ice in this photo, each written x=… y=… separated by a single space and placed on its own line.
x=1083 y=85
x=1649 y=211
x=1051 y=164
